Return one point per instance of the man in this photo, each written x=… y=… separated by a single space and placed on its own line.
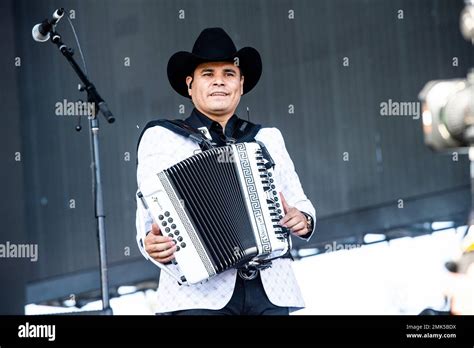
x=215 y=75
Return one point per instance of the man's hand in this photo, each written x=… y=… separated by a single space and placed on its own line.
x=293 y=219
x=159 y=247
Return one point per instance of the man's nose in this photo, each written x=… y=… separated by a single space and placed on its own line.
x=218 y=80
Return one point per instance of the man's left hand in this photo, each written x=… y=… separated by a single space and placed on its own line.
x=293 y=219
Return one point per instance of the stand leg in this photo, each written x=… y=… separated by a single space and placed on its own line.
x=99 y=211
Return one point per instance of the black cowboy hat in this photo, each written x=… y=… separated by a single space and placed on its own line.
x=213 y=45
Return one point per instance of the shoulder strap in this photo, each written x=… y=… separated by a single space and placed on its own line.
x=181 y=128
x=245 y=131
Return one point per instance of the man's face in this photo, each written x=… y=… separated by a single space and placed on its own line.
x=216 y=88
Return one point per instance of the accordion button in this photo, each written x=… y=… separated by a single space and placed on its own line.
x=177 y=248
x=173 y=226
x=167 y=229
x=164 y=223
x=277 y=204
x=170 y=220
x=183 y=245
x=176 y=232
x=180 y=239
x=161 y=217
x=170 y=235
x=167 y=213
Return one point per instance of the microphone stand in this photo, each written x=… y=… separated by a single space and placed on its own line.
x=93 y=97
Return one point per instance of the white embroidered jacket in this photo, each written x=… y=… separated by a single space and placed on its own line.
x=159 y=149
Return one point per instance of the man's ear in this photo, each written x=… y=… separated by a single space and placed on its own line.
x=189 y=81
x=242 y=85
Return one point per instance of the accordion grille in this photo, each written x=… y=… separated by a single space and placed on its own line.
x=209 y=188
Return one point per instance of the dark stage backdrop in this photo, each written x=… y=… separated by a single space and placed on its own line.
x=328 y=65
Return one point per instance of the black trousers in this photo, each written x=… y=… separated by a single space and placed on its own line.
x=249 y=298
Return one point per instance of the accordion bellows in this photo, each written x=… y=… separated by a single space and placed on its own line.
x=221 y=207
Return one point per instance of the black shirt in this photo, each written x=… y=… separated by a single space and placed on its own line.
x=219 y=136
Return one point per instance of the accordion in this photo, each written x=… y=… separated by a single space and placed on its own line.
x=221 y=207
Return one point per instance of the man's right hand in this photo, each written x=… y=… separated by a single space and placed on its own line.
x=159 y=247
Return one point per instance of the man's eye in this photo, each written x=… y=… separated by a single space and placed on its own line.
x=206 y=74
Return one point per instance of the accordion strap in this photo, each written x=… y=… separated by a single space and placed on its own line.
x=181 y=128
x=245 y=131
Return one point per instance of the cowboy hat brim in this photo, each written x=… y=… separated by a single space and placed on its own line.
x=182 y=64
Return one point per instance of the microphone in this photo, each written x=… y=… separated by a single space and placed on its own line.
x=106 y=111
x=41 y=31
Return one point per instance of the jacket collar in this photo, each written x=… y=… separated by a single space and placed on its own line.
x=197 y=120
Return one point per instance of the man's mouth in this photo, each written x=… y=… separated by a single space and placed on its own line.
x=219 y=94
